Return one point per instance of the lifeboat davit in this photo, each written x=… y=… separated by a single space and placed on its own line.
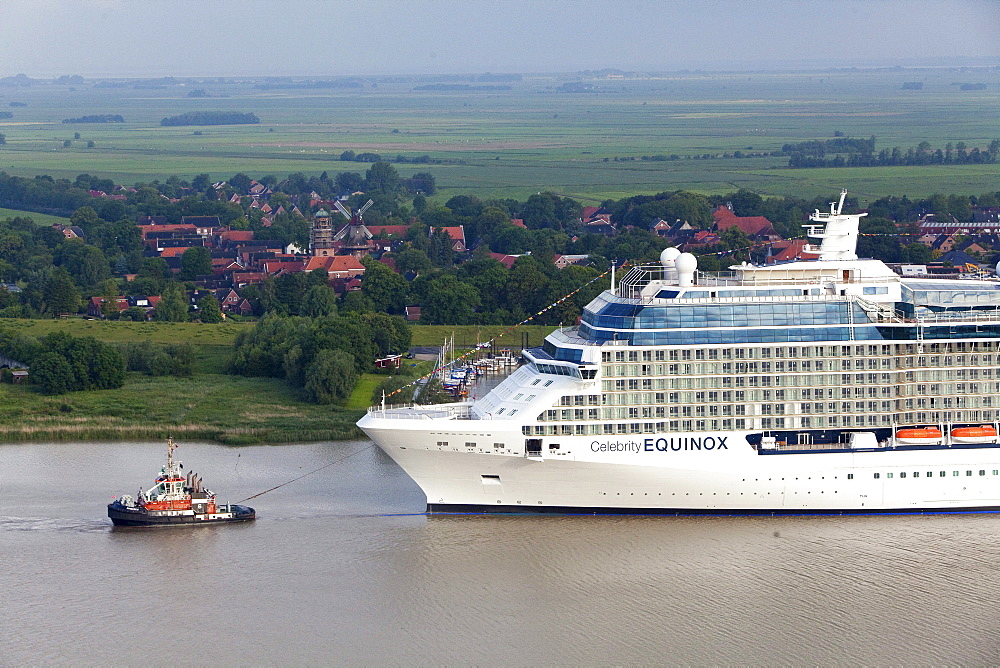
x=918 y=436
x=981 y=434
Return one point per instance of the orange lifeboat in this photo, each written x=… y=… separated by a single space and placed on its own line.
x=981 y=434
x=918 y=436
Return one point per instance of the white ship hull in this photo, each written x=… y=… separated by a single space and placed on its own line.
x=682 y=474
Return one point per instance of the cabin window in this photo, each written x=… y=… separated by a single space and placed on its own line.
x=850 y=476
x=968 y=473
x=943 y=473
x=982 y=472
x=902 y=474
x=877 y=476
x=954 y=473
x=888 y=475
x=930 y=474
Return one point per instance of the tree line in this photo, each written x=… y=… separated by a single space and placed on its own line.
x=211 y=118
x=861 y=153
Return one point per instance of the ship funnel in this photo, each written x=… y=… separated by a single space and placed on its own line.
x=686 y=265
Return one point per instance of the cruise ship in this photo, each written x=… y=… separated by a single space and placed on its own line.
x=825 y=385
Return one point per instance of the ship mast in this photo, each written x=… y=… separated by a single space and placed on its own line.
x=170 y=455
x=838 y=232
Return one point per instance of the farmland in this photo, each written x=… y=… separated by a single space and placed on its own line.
x=512 y=143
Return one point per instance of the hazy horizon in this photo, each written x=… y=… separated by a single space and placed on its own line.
x=185 y=38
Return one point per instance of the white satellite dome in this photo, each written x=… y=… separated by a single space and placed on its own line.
x=686 y=266
x=668 y=256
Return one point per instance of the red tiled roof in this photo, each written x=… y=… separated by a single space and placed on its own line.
x=146 y=229
x=174 y=251
x=388 y=230
x=236 y=235
x=751 y=225
x=456 y=233
x=506 y=260
x=285 y=266
x=336 y=264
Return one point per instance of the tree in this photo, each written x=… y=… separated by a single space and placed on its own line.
x=422 y=182
x=196 y=261
x=241 y=183
x=173 y=306
x=201 y=182
x=349 y=182
x=86 y=218
x=412 y=259
x=60 y=293
x=330 y=377
x=386 y=288
x=450 y=302
x=319 y=300
x=382 y=178
x=208 y=309
x=53 y=373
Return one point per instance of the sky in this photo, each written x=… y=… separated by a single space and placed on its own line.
x=143 y=38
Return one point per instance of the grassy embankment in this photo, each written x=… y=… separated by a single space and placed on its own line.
x=209 y=406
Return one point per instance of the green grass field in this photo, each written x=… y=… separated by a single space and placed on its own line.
x=533 y=137
x=38 y=218
x=211 y=405
x=228 y=409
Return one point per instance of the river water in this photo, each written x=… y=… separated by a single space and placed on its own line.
x=342 y=567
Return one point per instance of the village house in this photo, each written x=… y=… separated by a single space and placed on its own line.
x=757 y=228
x=337 y=266
x=457 y=235
x=563 y=261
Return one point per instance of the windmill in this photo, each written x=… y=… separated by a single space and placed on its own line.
x=355 y=218
x=354 y=236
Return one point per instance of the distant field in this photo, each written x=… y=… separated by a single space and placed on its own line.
x=223 y=334
x=533 y=137
x=39 y=218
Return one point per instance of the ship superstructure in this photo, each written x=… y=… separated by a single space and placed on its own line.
x=824 y=385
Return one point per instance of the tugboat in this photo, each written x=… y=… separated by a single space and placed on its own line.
x=175 y=499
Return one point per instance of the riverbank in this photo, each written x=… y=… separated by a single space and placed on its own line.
x=213 y=407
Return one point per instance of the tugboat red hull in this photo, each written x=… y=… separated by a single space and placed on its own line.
x=132 y=516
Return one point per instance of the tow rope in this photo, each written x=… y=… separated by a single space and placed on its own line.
x=336 y=461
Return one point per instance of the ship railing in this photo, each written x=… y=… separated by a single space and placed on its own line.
x=879 y=312
x=740 y=300
x=637 y=278
x=423 y=411
x=956 y=317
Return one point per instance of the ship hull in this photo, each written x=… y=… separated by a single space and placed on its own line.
x=137 y=517
x=720 y=473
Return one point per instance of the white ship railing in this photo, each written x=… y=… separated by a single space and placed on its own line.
x=639 y=277
x=957 y=317
x=423 y=412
